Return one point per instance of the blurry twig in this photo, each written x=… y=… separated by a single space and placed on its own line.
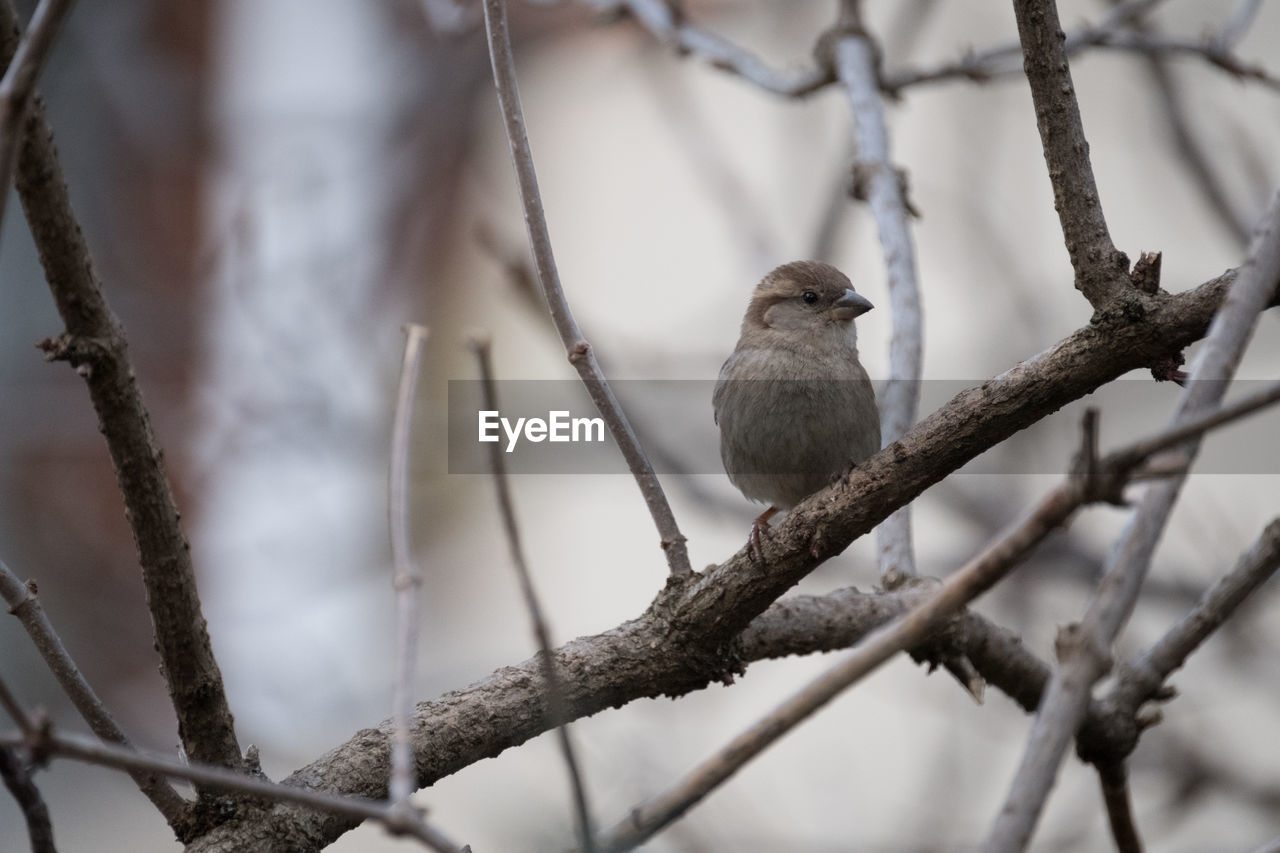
x=1237 y=24
x=17 y=778
x=710 y=165
x=66 y=745
x=1085 y=649
x=669 y=26
x=1116 y=31
x=23 y=604
x=1143 y=678
x=1114 y=781
x=1173 y=109
x=18 y=87
x=451 y=17
x=408 y=576
x=542 y=635
x=881 y=185
x=579 y=350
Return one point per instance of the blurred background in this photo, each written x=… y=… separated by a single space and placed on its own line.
x=271 y=189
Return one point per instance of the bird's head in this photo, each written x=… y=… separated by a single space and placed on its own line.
x=805 y=296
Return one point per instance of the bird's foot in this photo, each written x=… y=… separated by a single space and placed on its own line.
x=760 y=529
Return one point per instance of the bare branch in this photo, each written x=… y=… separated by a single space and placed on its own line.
x=1085 y=648
x=876 y=180
x=1101 y=270
x=581 y=355
x=1114 y=781
x=408 y=577
x=542 y=634
x=684 y=640
x=17 y=778
x=94 y=344
x=671 y=28
x=23 y=604
x=1142 y=678
x=1001 y=61
x=18 y=88
x=1198 y=164
x=66 y=745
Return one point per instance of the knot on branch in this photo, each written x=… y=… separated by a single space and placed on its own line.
x=702 y=654
x=82 y=353
x=861 y=174
x=847 y=26
x=1115 y=723
x=1098 y=480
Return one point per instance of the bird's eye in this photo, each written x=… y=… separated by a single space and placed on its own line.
x=809 y=297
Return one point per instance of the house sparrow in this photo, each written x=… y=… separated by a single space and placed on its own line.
x=794 y=405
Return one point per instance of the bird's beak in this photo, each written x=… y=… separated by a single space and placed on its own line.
x=850 y=305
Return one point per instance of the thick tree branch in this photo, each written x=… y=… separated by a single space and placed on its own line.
x=581 y=355
x=687 y=637
x=94 y=344
x=1102 y=271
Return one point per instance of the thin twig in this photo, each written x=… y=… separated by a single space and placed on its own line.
x=408 y=576
x=1199 y=164
x=1101 y=270
x=14 y=709
x=24 y=604
x=80 y=748
x=881 y=185
x=94 y=344
x=17 y=778
x=1085 y=648
x=1113 y=779
x=1121 y=29
x=1143 y=677
x=18 y=87
x=581 y=355
x=556 y=712
x=1101 y=480
x=673 y=29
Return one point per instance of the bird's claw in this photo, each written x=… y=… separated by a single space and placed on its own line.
x=759 y=529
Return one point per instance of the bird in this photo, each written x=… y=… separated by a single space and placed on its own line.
x=793 y=403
